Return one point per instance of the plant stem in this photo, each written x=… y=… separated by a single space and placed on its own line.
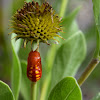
x=45 y=87
x=63 y=7
x=94 y=62
x=33 y=90
x=96 y=54
x=37 y=49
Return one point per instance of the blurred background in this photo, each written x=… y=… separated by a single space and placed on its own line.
x=85 y=21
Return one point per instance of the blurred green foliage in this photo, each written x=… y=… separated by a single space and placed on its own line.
x=67 y=86
x=70 y=27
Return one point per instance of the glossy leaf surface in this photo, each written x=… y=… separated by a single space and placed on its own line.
x=5 y=92
x=66 y=89
x=69 y=56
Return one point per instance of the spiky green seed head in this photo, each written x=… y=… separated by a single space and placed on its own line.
x=34 y=22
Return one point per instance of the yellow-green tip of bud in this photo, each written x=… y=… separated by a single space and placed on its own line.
x=34 y=22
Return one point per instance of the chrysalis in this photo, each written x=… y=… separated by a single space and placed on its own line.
x=34 y=66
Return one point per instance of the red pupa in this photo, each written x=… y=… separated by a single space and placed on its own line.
x=34 y=66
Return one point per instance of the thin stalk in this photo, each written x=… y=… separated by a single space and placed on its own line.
x=33 y=90
x=63 y=7
x=94 y=62
x=44 y=87
x=37 y=49
x=96 y=54
x=46 y=83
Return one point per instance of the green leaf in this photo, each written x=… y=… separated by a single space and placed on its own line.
x=66 y=89
x=70 y=26
x=5 y=92
x=16 y=68
x=69 y=57
x=25 y=82
x=97 y=97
